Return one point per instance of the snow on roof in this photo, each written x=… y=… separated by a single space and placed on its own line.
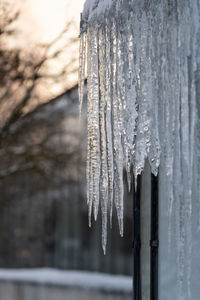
x=72 y=279
x=93 y=9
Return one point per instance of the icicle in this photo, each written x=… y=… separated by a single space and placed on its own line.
x=94 y=115
x=93 y=161
x=143 y=103
x=82 y=57
x=103 y=147
x=89 y=132
x=117 y=123
x=109 y=137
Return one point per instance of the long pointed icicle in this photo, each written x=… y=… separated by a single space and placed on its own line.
x=109 y=137
x=82 y=65
x=117 y=127
x=89 y=130
x=103 y=147
x=95 y=136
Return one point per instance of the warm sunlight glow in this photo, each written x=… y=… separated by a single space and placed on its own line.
x=41 y=21
x=44 y=19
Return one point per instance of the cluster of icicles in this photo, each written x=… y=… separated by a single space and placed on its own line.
x=142 y=63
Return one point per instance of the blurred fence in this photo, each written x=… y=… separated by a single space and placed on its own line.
x=43 y=211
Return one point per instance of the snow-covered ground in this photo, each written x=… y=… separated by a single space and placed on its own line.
x=73 y=279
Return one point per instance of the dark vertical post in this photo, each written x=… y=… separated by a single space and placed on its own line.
x=154 y=242
x=136 y=242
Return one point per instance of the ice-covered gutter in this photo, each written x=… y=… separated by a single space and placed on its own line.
x=142 y=62
x=72 y=279
x=94 y=10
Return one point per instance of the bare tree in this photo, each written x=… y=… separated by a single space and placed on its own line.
x=40 y=145
x=22 y=70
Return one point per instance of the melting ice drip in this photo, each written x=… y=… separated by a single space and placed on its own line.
x=143 y=81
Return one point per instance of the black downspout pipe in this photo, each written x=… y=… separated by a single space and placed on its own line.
x=154 y=242
x=136 y=242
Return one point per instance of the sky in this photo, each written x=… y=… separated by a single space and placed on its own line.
x=44 y=19
x=41 y=21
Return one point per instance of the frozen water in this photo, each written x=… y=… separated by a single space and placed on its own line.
x=143 y=78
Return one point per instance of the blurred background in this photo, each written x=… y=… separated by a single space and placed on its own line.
x=43 y=211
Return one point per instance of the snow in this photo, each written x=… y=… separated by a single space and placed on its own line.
x=143 y=72
x=94 y=8
x=72 y=279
